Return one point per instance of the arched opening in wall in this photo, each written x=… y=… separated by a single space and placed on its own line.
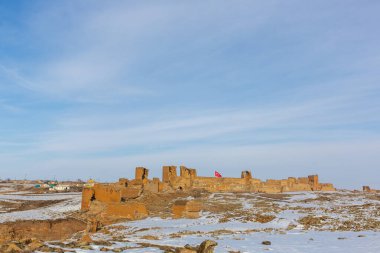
x=93 y=197
x=126 y=184
x=123 y=199
x=180 y=188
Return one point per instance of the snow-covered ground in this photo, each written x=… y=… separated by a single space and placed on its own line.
x=54 y=211
x=232 y=229
x=294 y=222
x=69 y=202
x=233 y=237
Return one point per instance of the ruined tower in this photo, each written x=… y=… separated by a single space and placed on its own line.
x=313 y=181
x=141 y=173
x=168 y=173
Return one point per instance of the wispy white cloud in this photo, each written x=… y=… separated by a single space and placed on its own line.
x=94 y=56
x=317 y=120
x=227 y=84
x=337 y=162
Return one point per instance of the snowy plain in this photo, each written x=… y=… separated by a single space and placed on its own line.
x=285 y=232
x=235 y=234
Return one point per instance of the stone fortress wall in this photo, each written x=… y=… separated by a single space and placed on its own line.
x=119 y=199
x=188 y=179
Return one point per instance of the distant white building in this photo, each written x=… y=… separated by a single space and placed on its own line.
x=60 y=188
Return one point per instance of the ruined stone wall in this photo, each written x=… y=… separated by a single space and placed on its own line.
x=303 y=180
x=326 y=187
x=130 y=210
x=298 y=187
x=188 y=179
x=153 y=186
x=119 y=197
x=117 y=201
x=187 y=173
x=224 y=184
x=108 y=193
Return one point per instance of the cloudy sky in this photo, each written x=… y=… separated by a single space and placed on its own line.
x=284 y=88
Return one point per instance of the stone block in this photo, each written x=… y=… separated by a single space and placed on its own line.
x=108 y=193
x=186 y=209
x=129 y=210
x=130 y=193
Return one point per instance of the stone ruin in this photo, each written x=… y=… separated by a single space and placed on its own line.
x=120 y=200
x=368 y=189
x=186 y=209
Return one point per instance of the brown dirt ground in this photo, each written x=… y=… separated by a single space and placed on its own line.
x=27 y=205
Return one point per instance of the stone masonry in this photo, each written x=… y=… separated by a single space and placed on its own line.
x=119 y=200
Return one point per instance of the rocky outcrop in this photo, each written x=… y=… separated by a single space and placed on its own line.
x=41 y=229
x=207 y=247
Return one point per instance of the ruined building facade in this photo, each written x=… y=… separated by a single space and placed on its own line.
x=119 y=199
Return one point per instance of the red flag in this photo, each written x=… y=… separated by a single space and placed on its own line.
x=217 y=174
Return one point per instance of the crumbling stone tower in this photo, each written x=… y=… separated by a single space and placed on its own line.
x=366 y=188
x=169 y=173
x=141 y=173
x=313 y=181
x=246 y=174
x=187 y=173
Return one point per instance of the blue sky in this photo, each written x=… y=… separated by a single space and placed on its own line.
x=284 y=88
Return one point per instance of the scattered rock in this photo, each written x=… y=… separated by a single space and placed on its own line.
x=266 y=243
x=86 y=238
x=207 y=247
x=13 y=248
x=184 y=250
x=93 y=225
x=102 y=242
x=264 y=218
x=150 y=237
x=35 y=245
x=309 y=221
x=86 y=247
x=187 y=249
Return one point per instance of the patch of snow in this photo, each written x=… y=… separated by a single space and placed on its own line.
x=55 y=211
x=58 y=196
